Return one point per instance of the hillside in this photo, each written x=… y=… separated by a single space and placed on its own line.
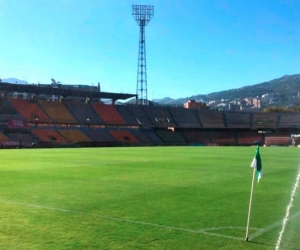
x=14 y=80
x=283 y=90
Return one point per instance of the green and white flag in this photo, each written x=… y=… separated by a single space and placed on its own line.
x=256 y=164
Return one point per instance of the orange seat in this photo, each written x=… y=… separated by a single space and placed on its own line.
x=108 y=114
x=124 y=136
x=49 y=135
x=30 y=111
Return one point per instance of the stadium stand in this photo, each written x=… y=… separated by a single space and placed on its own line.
x=126 y=114
x=278 y=141
x=197 y=137
x=142 y=137
x=289 y=120
x=171 y=138
x=153 y=136
x=248 y=138
x=74 y=135
x=223 y=138
x=57 y=112
x=108 y=114
x=237 y=119
x=30 y=111
x=140 y=116
x=6 y=107
x=185 y=118
x=49 y=135
x=124 y=136
x=159 y=116
x=211 y=118
x=3 y=137
x=278 y=138
x=99 y=135
x=265 y=120
x=23 y=136
x=8 y=112
x=33 y=122
x=83 y=112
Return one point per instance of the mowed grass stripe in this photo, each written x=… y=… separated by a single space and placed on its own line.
x=181 y=187
x=202 y=231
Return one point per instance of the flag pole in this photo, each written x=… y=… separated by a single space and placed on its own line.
x=250 y=205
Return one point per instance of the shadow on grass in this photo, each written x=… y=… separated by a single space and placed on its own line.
x=272 y=245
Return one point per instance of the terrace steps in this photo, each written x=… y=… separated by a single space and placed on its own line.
x=108 y=114
x=49 y=135
x=58 y=112
x=124 y=136
x=30 y=111
x=74 y=135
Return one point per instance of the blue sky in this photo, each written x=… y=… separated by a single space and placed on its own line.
x=193 y=46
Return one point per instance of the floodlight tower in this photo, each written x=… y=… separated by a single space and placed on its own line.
x=142 y=15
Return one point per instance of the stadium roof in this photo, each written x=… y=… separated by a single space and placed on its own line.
x=60 y=91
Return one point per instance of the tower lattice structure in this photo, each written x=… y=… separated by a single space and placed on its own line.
x=142 y=15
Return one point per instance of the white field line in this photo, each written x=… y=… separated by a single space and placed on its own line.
x=200 y=231
x=271 y=227
x=229 y=227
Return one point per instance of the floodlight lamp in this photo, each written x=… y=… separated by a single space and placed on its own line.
x=142 y=14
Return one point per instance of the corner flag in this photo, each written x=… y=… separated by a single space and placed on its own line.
x=257 y=167
x=256 y=164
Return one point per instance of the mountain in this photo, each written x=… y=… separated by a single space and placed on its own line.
x=179 y=101
x=283 y=90
x=14 y=80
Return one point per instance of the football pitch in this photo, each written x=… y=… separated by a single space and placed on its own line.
x=146 y=198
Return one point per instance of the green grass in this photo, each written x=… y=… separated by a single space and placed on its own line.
x=144 y=198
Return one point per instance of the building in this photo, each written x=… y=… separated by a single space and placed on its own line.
x=192 y=104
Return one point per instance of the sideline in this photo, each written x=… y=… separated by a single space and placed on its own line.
x=271 y=227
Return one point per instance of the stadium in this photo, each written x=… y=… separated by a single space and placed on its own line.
x=79 y=118
x=126 y=177
x=86 y=169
